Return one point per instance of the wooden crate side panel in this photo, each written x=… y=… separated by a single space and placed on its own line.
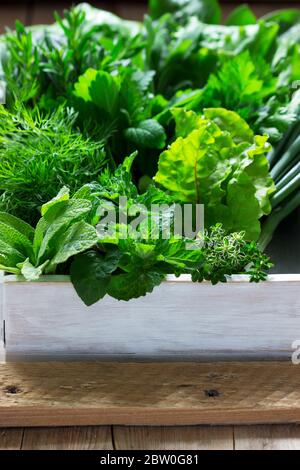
x=178 y=320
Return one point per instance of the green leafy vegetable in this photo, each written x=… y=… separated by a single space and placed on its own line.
x=39 y=154
x=241 y=16
x=214 y=164
x=60 y=234
x=192 y=101
x=130 y=263
x=149 y=134
x=285 y=168
x=91 y=274
x=206 y=10
x=134 y=284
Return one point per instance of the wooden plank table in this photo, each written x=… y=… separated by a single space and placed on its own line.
x=266 y=437
x=36 y=12
x=103 y=393
x=149 y=406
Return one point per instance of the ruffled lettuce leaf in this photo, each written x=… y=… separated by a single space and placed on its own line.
x=218 y=162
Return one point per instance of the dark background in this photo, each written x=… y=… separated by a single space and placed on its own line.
x=34 y=12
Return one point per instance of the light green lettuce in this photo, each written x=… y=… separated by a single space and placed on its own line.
x=217 y=161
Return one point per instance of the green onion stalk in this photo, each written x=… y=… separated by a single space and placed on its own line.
x=285 y=169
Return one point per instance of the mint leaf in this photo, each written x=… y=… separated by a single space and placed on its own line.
x=133 y=285
x=55 y=222
x=16 y=239
x=91 y=274
x=79 y=237
x=9 y=255
x=63 y=195
x=30 y=272
x=18 y=224
x=135 y=95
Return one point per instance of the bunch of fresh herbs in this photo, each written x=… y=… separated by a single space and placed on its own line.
x=38 y=154
x=123 y=266
x=196 y=103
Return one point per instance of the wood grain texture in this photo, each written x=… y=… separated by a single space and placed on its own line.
x=130 y=11
x=268 y=437
x=173 y=438
x=263 y=437
x=39 y=13
x=10 y=13
x=62 y=394
x=11 y=439
x=66 y=438
x=180 y=320
x=44 y=13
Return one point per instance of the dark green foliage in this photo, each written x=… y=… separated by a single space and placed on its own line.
x=38 y=155
x=92 y=88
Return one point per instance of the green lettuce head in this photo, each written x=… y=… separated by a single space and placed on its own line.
x=217 y=161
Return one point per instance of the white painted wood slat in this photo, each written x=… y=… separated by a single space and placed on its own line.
x=179 y=320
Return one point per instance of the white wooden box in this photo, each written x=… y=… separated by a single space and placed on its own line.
x=180 y=320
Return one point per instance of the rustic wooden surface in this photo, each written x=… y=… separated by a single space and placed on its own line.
x=74 y=394
x=34 y=12
x=169 y=438
x=266 y=437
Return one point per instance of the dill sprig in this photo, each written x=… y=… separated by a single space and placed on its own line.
x=41 y=153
